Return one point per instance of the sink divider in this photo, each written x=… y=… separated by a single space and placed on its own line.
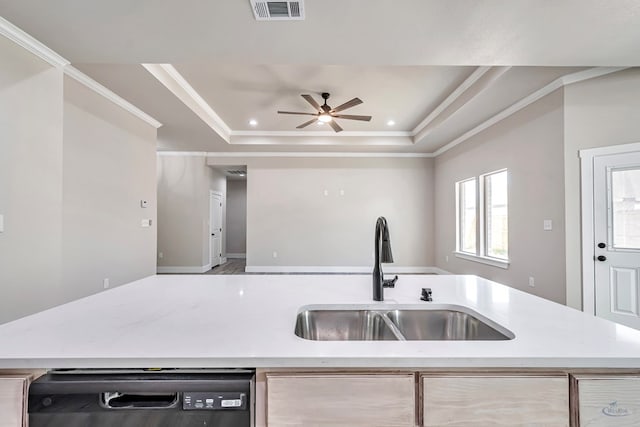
x=394 y=329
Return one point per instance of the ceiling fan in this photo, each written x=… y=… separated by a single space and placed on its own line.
x=326 y=114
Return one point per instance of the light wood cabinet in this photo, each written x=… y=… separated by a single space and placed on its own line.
x=605 y=400
x=495 y=400
x=13 y=408
x=354 y=400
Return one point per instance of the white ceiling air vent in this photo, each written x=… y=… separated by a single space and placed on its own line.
x=278 y=10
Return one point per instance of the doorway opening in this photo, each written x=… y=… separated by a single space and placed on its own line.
x=237 y=214
x=216 y=208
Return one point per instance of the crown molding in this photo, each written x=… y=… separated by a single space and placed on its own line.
x=29 y=43
x=320 y=133
x=182 y=153
x=530 y=99
x=34 y=46
x=469 y=81
x=180 y=87
x=476 y=84
x=80 y=77
x=315 y=154
x=263 y=154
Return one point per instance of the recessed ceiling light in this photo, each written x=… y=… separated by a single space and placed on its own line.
x=253 y=122
x=390 y=123
x=319 y=123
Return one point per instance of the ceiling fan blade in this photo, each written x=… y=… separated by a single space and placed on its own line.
x=295 y=112
x=351 y=117
x=305 y=124
x=348 y=104
x=311 y=101
x=334 y=126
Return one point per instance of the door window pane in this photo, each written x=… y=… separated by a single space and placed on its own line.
x=468 y=216
x=497 y=218
x=625 y=198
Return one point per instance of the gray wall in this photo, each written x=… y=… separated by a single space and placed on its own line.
x=236 y=217
x=109 y=167
x=530 y=145
x=72 y=164
x=599 y=112
x=289 y=213
x=183 y=184
x=30 y=182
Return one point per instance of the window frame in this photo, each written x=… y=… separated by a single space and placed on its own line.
x=459 y=207
x=481 y=251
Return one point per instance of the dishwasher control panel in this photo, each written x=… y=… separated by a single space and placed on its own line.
x=212 y=401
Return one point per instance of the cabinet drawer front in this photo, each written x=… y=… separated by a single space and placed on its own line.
x=341 y=400
x=610 y=402
x=12 y=408
x=495 y=401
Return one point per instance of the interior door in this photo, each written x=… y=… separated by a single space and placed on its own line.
x=617 y=237
x=215 y=209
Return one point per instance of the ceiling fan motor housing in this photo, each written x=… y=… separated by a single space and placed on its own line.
x=325 y=107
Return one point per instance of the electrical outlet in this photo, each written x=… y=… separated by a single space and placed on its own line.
x=275 y=254
x=1 y=223
x=532 y=282
x=446 y=258
x=160 y=255
x=105 y=283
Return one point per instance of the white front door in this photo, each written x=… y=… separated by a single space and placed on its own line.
x=616 y=201
x=215 y=209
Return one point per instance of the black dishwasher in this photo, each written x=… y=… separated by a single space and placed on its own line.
x=142 y=398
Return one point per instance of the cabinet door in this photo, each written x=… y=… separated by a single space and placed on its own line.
x=495 y=401
x=606 y=401
x=12 y=402
x=354 y=400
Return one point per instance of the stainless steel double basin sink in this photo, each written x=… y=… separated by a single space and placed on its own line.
x=396 y=323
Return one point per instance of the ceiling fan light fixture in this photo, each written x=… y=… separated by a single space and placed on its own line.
x=325 y=118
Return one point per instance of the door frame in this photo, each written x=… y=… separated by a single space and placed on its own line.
x=217 y=193
x=587 y=157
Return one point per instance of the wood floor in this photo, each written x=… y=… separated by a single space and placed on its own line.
x=232 y=266
x=237 y=265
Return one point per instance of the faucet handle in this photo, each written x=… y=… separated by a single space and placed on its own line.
x=426 y=294
x=390 y=283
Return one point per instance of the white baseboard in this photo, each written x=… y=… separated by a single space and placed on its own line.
x=328 y=269
x=236 y=255
x=184 y=269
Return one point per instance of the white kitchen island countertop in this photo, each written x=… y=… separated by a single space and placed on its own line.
x=213 y=321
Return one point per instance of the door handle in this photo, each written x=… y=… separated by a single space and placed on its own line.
x=602 y=258
x=602 y=245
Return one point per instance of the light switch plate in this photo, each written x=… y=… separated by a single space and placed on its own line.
x=547 y=225
x=1 y=223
